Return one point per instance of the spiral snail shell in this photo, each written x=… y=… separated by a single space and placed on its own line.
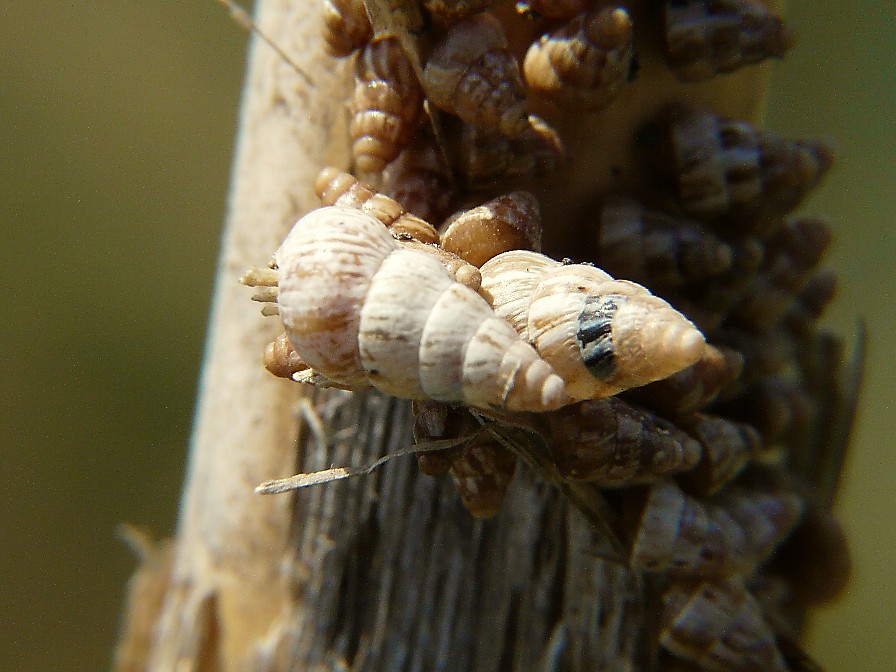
x=601 y=335
x=472 y=74
x=362 y=311
x=585 y=62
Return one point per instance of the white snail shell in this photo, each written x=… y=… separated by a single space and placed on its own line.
x=362 y=311
x=601 y=335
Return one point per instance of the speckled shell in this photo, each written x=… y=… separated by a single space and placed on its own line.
x=486 y=156
x=346 y=26
x=472 y=74
x=657 y=249
x=509 y=222
x=722 y=168
x=482 y=474
x=362 y=311
x=708 y=37
x=335 y=187
x=387 y=104
x=601 y=335
x=677 y=533
x=719 y=626
x=584 y=63
x=615 y=444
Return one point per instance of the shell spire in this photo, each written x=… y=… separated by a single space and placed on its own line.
x=601 y=335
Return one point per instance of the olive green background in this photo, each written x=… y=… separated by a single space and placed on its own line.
x=116 y=128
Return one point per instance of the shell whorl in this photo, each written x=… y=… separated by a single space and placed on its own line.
x=345 y=299
x=601 y=335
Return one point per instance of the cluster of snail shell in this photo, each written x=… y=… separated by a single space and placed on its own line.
x=690 y=393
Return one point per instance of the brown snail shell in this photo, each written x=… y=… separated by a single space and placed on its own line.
x=708 y=37
x=584 y=63
x=346 y=26
x=472 y=74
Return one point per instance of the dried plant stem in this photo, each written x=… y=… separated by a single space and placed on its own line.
x=383 y=572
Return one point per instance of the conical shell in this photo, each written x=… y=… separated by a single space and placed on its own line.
x=585 y=62
x=601 y=335
x=720 y=627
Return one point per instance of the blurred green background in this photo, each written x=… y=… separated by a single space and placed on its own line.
x=116 y=130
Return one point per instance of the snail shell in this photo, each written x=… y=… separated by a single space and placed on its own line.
x=723 y=168
x=727 y=447
x=387 y=104
x=346 y=26
x=790 y=257
x=675 y=532
x=482 y=474
x=708 y=37
x=585 y=62
x=509 y=222
x=719 y=626
x=472 y=74
x=601 y=335
x=689 y=390
x=656 y=249
x=615 y=444
x=362 y=311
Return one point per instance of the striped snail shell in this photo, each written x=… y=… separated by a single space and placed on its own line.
x=708 y=37
x=601 y=335
x=729 y=169
x=719 y=626
x=387 y=104
x=346 y=26
x=420 y=179
x=472 y=74
x=585 y=62
x=362 y=311
x=612 y=443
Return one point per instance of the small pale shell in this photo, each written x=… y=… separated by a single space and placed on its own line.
x=362 y=311
x=708 y=37
x=472 y=74
x=601 y=335
x=719 y=626
x=584 y=63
